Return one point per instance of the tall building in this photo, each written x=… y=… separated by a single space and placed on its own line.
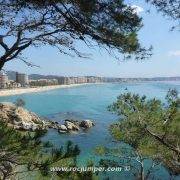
x=22 y=79
x=61 y=80
x=3 y=80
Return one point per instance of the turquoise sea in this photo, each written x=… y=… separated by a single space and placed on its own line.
x=88 y=102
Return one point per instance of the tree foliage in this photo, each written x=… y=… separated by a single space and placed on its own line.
x=151 y=127
x=128 y=159
x=61 y=23
x=169 y=8
x=25 y=152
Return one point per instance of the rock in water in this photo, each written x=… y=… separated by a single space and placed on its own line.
x=22 y=119
x=62 y=129
x=86 y=124
x=71 y=126
x=75 y=122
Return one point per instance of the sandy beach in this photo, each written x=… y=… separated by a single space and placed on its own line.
x=12 y=92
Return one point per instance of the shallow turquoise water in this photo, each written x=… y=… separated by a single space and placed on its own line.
x=87 y=102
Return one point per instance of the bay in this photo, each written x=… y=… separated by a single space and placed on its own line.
x=87 y=102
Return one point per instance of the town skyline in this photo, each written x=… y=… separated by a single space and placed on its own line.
x=12 y=79
x=88 y=75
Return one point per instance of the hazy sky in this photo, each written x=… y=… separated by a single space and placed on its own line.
x=156 y=32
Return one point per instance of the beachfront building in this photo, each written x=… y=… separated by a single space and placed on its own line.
x=82 y=79
x=12 y=84
x=79 y=80
x=22 y=79
x=3 y=80
x=60 y=80
x=43 y=82
x=68 y=80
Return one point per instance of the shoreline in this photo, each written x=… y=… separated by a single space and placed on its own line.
x=17 y=91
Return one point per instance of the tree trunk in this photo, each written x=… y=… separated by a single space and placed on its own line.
x=142 y=177
x=142 y=173
x=1 y=64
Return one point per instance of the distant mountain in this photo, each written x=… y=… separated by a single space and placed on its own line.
x=166 y=78
x=38 y=76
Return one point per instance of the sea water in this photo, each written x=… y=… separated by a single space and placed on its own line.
x=87 y=102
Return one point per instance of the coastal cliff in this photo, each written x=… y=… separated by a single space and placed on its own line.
x=21 y=119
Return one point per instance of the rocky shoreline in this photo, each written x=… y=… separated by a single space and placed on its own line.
x=21 y=119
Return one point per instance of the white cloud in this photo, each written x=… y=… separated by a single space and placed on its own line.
x=137 y=9
x=174 y=53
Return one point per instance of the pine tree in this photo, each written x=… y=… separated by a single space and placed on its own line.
x=24 y=152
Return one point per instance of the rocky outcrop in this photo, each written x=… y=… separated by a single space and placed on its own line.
x=86 y=124
x=71 y=126
x=22 y=119
x=62 y=129
x=74 y=125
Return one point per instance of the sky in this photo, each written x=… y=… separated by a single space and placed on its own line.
x=156 y=32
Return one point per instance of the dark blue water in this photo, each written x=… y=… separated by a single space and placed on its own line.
x=87 y=102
